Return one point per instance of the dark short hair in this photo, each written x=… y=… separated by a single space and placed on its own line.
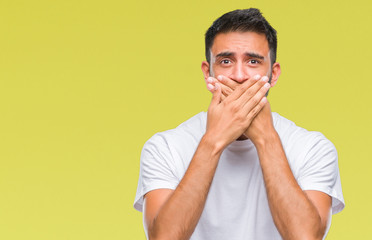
x=242 y=20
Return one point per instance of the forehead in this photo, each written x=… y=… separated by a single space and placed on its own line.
x=239 y=42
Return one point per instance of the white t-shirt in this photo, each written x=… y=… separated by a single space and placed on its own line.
x=237 y=207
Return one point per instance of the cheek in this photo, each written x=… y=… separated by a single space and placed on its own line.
x=221 y=71
x=263 y=71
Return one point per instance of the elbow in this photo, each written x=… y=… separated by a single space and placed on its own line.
x=320 y=230
x=151 y=233
x=153 y=237
x=317 y=230
x=320 y=233
x=154 y=234
x=316 y=233
x=310 y=236
x=308 y=232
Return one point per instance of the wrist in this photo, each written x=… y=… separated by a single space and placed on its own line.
x=215 y=147
x=266 y=139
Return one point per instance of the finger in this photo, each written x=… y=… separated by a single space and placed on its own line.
x=252 y=91
x=257 y=97
x=225 y=89
x=223 y=97
x=210 y=82
x=228 y=82
x=253 y=113
x=216 y=91
x=242 y=88
x=210 y=87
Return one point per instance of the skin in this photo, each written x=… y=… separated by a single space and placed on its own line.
x=238 y=110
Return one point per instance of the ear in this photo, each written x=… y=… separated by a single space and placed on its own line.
x=205 y=70
x=275 y=73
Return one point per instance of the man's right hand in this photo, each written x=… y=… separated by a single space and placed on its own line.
x=230 y=116
x=174 y=214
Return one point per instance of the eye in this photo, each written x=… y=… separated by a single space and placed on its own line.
x=225 y=61
x=254 y=61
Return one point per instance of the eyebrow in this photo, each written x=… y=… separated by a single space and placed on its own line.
x=255 y=55
x=248 y=54
x=225 y=54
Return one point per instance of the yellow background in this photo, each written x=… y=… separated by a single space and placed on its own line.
x=83 y=85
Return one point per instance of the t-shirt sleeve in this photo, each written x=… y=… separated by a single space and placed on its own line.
x=156 y=169
x=320 y=171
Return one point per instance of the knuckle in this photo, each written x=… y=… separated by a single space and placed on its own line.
x=240 y=119
x=247 y=84
x=253 y=81
x=255 y=100
x=250 y=92
x=254 y=111
x=234 y=107
x=260 y=83
x=242 y=125
x=225 y=103
x=241 y=89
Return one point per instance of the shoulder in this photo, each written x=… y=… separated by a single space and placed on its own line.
x=305 y=150
x=165 y=156
x=190 y=130
x=293 y=135
x=176 y=144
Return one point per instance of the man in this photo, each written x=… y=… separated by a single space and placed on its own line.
x=239 y=171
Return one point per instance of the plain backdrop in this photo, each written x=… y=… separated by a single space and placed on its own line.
x=83 y=85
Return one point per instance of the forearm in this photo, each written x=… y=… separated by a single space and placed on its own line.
x=179 y=216
x=294 y=214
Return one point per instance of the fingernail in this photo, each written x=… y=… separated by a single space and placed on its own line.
x=210 y=87
x=256 y=77
x=265 y=78
x=210 y=79
x=267 y=85
x=219 y=77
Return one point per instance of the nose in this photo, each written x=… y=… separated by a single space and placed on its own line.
x=239 y=73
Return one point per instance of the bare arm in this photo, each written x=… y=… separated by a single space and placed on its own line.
x=175 y=214
x=179 y=214
x=297 y=214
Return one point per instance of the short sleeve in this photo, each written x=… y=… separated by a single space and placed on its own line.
x=156 y=170
x=320 y=171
